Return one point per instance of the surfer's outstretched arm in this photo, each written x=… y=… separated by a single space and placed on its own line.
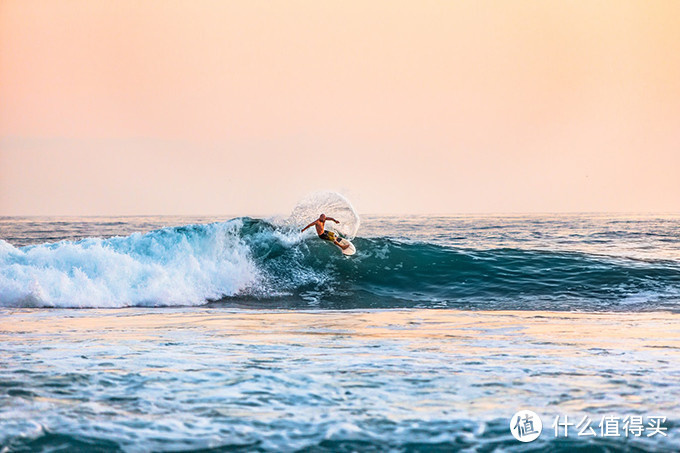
x=331 y=218
x=303 y=230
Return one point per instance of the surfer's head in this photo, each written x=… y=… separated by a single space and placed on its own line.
x=322 y=217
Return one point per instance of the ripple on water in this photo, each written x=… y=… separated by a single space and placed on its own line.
x=395 y=380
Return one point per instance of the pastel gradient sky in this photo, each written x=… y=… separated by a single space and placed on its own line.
x=243 y=107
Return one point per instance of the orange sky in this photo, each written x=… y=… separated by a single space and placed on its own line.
x=226 y=107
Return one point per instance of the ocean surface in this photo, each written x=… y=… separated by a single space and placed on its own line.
x=242 y=334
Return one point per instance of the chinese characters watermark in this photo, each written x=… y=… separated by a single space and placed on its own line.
x=526 y=426
x=612 y=426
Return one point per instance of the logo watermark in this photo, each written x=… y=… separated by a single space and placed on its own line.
x=526 y=426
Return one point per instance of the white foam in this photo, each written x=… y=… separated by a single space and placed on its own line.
x=173 y=266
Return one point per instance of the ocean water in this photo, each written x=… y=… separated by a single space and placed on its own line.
x=241 y=334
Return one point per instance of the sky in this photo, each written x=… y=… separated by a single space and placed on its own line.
x=406 y=107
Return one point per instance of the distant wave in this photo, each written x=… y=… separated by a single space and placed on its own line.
x=253 y=262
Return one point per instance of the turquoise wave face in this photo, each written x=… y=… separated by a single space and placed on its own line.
x=388 y=273
x=251 y=262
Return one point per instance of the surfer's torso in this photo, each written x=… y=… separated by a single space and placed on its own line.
x=320 y=227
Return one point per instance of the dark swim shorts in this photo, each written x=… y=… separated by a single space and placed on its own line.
x=327 y=235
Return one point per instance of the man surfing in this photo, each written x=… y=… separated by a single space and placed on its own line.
x=320 y=224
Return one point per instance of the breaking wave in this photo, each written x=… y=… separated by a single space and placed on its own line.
x=255 y=263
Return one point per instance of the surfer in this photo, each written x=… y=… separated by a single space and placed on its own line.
x=323 y=234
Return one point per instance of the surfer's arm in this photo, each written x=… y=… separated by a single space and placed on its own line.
x=303 y=230
x=331 y=218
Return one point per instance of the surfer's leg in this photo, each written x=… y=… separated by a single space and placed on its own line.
x=340 y=245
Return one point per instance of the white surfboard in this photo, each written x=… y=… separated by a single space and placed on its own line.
x=351 y=250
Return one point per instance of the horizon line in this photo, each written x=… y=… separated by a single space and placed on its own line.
x=360 y=214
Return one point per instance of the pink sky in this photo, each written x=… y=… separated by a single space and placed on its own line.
x=225 y=107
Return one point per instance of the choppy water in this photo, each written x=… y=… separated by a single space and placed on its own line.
x=243 y=335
